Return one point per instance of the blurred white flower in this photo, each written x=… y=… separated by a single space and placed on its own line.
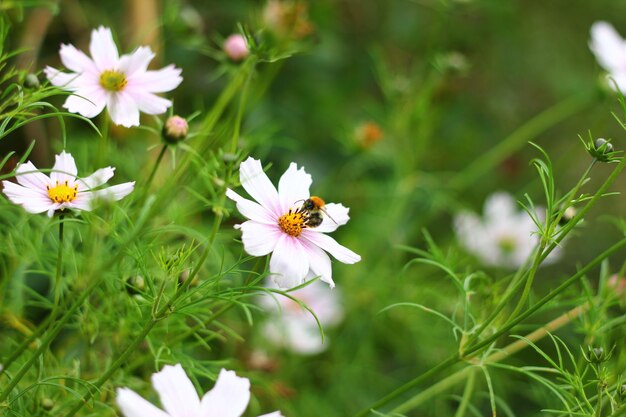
x=122 y=84
x=505 y=236
x=610 y=51
x=38 y=192
x=277 y=226
x=293 y=327
x=228 y=398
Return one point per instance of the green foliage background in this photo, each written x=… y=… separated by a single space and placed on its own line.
x=378 y=61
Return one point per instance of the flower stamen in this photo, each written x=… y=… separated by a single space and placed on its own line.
x=62 y=193
x=112 y=80
x=292 y=223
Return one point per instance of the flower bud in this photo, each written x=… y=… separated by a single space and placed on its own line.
x=236 y=47
x=596 y=355
x=47 y=404
x=134 y=285
x=175 y=130
x=367 y=134
x=31 y=81
x=601 y=149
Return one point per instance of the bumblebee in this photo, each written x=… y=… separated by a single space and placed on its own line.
x=312 y=208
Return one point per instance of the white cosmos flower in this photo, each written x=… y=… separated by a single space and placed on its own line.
x=291 y=326
x=122 y=84
x=275 y=227
x=610 y=51
x=504 y=237
x=228 y=398
x=39 y=193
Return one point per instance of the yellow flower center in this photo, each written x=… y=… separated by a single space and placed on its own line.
x=292 y=223
x=62 y=193
x=112 y=80
x=507 y=244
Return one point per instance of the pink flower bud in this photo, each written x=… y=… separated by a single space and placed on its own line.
x=175 y=129
x=236 y=47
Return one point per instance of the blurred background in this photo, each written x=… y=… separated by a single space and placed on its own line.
x=395 y=107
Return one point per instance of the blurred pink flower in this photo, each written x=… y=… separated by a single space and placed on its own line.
x=293 y=327
x=610 y=51
x=228 y=398
x=38 y=192
x=276 y=226
x=122 y=84
x=236 y=47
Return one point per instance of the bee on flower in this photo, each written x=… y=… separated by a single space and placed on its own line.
x=503 y=237
x=122 y=84
x=280 y=223
x=62 y=189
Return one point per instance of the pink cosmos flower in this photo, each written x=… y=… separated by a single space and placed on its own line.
x=277 y=226
x=610 y=51
x=39 y=193
x=122 y=84
x=292 y=326
x=228 y=398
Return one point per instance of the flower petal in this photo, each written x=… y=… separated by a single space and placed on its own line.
x=103 y=50
x=76 y=60
x=113 y=193
x=259 y=239
x=608 y=47
x=61 y=79
x=133 y=405
x=96 y=179
x=33 y=201
x=137 y=61
x=228 y=398
x=28 y=176
x=330 y=245
x=123 y=109
x=274 y=414
x=336 y=215
x=252 y=210
x=148 y=102
x=159 y=81
x=64 y=168
x=259 y=186
x=319 y=262
x=289 y=263
x=177 y=393
x=293 y=186
x=87 y=101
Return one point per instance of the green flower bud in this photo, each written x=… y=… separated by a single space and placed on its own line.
x=47 y=404
x=31 y=81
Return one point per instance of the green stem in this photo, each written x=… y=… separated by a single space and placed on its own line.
x=498 y=356
x=165 y=310
x=467 y=395
x=47 y=340
x=155 y=167
x=473 y=350
x=160 y=314
x=563 y=232
x=528 y=131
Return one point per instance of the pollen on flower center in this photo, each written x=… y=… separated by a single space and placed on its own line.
x=292 y=223
x=112 y=80
x=62 y=193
